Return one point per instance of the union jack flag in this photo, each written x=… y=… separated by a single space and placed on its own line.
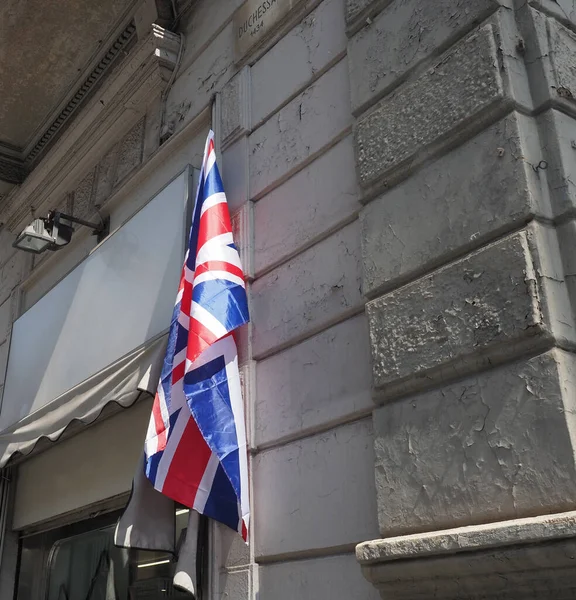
x=195 y=449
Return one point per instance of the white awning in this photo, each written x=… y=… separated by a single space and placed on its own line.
x=121 y=382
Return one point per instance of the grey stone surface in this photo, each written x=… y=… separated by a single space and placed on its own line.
x=199 y=80
x=528 y=530
x=329 y=578
x=457 y=317
x=311 y=45
x=4 y=348
x=315 y=384
x=550 y=59
x=463 y=86
x=302 y=128
x=558 y=134
x=10 y=275
x=306 y=207
x=7 y=238
x=309 y=293
x=525 y=559
x=315 y=493
x=493 y=446
x=106 y=175
x=354 y=8
x=444 y=209
x=401 y=37
x=565 y=10
x=130 y=152
x=7 y=314
x=232 y=550
x=83 y=197
x=567 y=241
x=236 y=106
x=235 y=173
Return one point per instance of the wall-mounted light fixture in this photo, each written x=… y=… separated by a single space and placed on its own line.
x=51 y=233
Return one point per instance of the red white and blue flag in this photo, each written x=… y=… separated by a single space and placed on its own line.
x=195 y=449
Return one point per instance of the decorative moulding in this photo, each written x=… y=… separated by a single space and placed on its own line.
x=107 y=116
x=531 y=558
x=235 y=108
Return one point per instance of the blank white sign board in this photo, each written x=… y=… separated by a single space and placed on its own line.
x=118 y=298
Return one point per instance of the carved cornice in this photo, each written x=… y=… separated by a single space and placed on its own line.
x=120 y=102
x=117 y=49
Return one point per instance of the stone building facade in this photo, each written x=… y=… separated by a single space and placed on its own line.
x=400 y=178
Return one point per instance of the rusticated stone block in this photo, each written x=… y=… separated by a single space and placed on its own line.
x=326 y=578
x=312 y=202
x=494 y=446
x=322 y=479
x=310 y=122
x=323 y=380
x=130 y=151
x=446 y=207
x=464 y=86
x=558 y=134
x=551 y=60
x=314 y=43
x=403 y=35
x=317 y=288
x=458 y=318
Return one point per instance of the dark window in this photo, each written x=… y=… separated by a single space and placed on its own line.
x=80 y=562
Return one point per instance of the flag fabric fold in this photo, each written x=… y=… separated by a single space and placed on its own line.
x=195 y=449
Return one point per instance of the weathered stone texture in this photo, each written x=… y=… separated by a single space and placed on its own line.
x=236 y=105
x=232 y=550
x=7 y=314
x=401 y=37
x=303 y=127
x=242 y=232
x=558 y=132
x=106 y=175
x=307 y=206
x=318 y=287
x=235 y=584
x=445 y=208
x=235 y=173
x=7 y=238
x=130 y=151
x=331 y=578
x=197 y=83
x=355 y=7
x=521 y=559
x=491 y=447
x=83 y=205
x=464 y=85
x=10 y=275
x=325 y=480
x=319 y=382
x=457 y=317
x=564 y=10
x=312 y=45
x=551 y=62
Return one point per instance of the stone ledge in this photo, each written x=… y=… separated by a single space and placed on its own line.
x=526 y=559
x=465 y=539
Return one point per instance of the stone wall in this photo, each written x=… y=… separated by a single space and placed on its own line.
x=400 y=178
x=464 y=143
